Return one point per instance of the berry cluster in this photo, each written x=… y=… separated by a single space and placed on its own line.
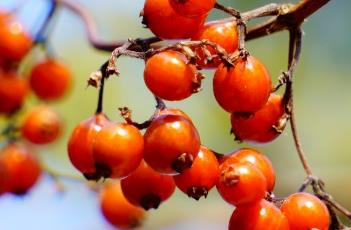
x=49 y=80
x=169 y=153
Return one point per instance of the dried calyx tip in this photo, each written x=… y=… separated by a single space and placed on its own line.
x=197 y=192
x=150 y=201
x=184 y=161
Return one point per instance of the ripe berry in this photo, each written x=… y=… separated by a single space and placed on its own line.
x=116 y=208
x=118 y=150
x=50 y=79
x=260 y=126
x=23 y=169
x=168 y=76
x=257 y=216
x=171 y=144
x=201 y=177
x=241 y=183
x=147 y=188
x=259 y=160
x=174 y=111
x=80 y=145
x=192 y=8
x=41 y=125
x=306 y=211
x=13 y=90
x=223 y=33
x=14 y=41
x=165 y=23
x=242 y=88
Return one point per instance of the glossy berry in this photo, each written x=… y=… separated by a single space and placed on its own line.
x=168 y=76
x=223 y=33
x=192 y=8
x=305 y=211
x=80 y=144
x=118 y=150
x=263 y=126
x=165 y=23
x=41 y=125
x=13 y=90
x=50 y=79
x=259 y=160
x=15 y=43
x=23 y=169
x=241 y=183
x=174 y=111
x=242 y=88
x=147 y=188
x=171 y=144
x=198 y=180
x=257 y=216
x=116 y=208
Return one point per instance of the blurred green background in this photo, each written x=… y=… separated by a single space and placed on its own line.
x=322 y=98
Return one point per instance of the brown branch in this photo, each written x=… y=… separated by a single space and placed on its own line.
x=290 y=16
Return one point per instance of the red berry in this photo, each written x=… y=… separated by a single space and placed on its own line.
x=259 y=127
x=165 y=23
x=168 y=76
x=257 y=216
x=23 y=169
x=118 y=150
x=171 y=144
x=223 y=33
x=80 y=144
x=41 y=125
x=306 y=211
x=50 y=79
x=14 y=41
x=13 y=90
x=201 y=177
x=117 y=210
x=244 y=87
x=147 y=188
x=174 y=111
x=259 y=160
x=192 y=8
x=241 y=183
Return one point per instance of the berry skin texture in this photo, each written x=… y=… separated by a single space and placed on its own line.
x=23 y=169
x=168 y=76
x=118 y=150
x=259 y=160
x=117 y=210
x=147 y=188
x=50 y=79
x=243 y=88
x=174 y=111
x=171 y=144
x=15 y=43
x=259 y=127
x=223 y=33
x=306 y=211
x=258 y=216
x=80 y=144
x=241 y=183
x=165 y=23
x=41 y=125
x=192 y=8
x=201 y=177
x=13 y=91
